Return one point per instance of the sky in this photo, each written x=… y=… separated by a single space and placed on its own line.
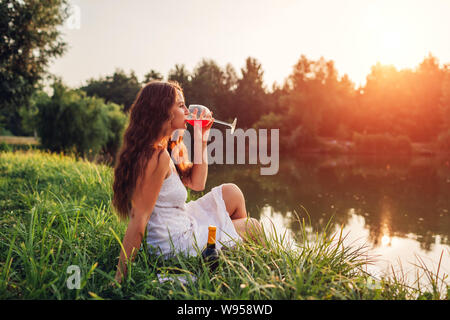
x=141 y=35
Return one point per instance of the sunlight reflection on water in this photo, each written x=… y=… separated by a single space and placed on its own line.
x=399 y=256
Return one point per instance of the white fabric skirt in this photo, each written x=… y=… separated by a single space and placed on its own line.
x=195 y=217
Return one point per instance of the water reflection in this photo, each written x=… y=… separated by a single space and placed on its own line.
x=399 y=201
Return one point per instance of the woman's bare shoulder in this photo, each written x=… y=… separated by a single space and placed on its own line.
x=159 y=163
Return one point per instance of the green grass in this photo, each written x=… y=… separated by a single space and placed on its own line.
x=56 y=212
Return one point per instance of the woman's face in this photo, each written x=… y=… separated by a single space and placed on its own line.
x=179 y=112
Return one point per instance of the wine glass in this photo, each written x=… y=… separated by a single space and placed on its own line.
x=196 y=116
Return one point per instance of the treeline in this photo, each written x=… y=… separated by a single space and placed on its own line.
x=393 y=109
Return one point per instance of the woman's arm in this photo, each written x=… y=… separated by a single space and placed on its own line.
x=197 y=180
x=144 y=199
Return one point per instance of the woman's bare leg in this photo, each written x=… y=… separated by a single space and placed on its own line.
x=249 y=229
x=234 y=201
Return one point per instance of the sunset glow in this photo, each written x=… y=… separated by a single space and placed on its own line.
x=385 y=240
x=395 y=34
x=354 y=34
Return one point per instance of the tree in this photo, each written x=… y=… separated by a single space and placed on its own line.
x=430 y=78
x=71 y=121
x=445 y=98
x=444 y=137
x=210 y=86
x=314 y=101
x=29 y=40
x=152 y=75
x=386 y=104
x=339 y=106
x=250 y=95
x=309 y=98
x=118 y=88
x=403 y=102
x=183 y=77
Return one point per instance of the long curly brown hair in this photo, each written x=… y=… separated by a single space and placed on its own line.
x=150 y=118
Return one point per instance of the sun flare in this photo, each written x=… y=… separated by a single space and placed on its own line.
x=385 y=240
x=393 y=36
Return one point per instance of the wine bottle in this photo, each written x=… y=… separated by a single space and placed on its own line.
x=210 y=254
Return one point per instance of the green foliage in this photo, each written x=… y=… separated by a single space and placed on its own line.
x=152 y=75
x=211 y=86
x=117 y=123
x=183 y=77
x=250 y=101
x=271 y=120
x=313 y=95
x=51 y=218
x=4 y=147
x=5 y=132
x=118 y=88
x=16 y=147
x=30 y=40
x=29 y=114
x=72 y=122
x=381 y=143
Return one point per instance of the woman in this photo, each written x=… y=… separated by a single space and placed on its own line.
x=150 y=189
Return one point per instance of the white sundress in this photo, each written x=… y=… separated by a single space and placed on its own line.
x=179 y=227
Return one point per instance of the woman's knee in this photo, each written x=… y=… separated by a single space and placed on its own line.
x=231 y=189
x=233 y=193
x=234 y=199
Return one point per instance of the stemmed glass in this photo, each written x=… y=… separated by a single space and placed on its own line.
x=197 y=117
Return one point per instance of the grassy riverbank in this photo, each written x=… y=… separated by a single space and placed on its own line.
x=56 y=212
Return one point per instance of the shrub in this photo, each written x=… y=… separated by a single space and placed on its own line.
x=302 y=137
x=117 y=122
x=4 y=131
x=70 y=121
x=4 y=147
x=381 y=143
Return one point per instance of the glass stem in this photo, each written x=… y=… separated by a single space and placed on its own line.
x=221 y=122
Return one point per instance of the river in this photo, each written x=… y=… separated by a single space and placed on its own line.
x=398 y=207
